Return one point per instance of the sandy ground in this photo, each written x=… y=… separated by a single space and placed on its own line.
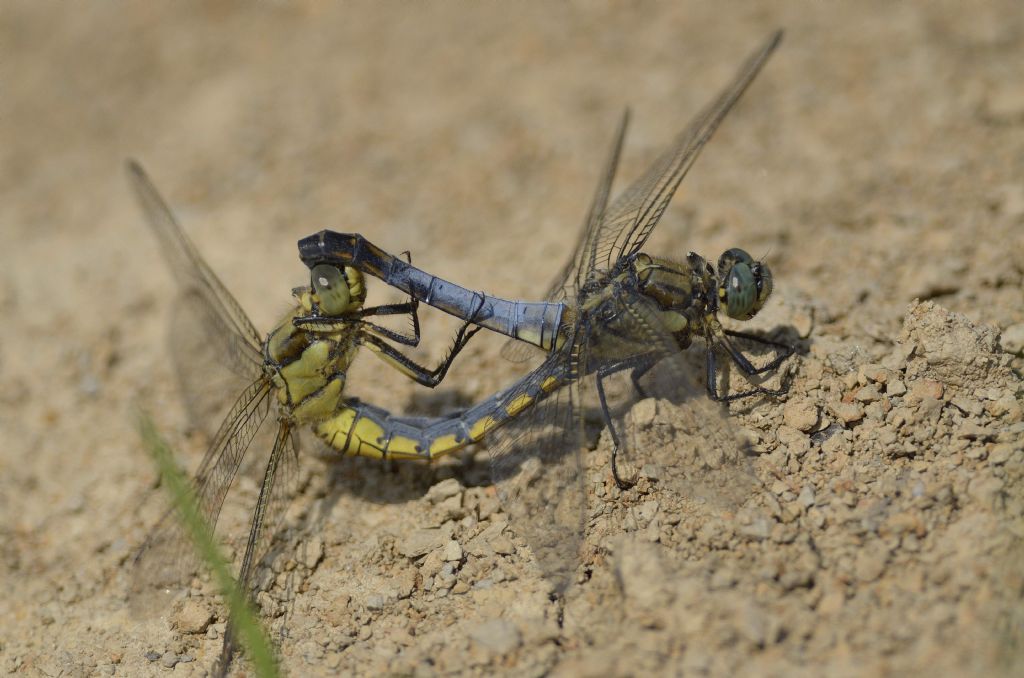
x=878 y=159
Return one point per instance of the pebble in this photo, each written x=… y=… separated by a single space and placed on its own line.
x=923 y=390
x=646 y=511
x=311 y=553
x=800 y=414
x=1012 y=339
x=423 y=541
x=497 y=635
x=848 y=413
x=445 y=489
x=452 y=552
x=502 y=545
x=806 y=496
x=867 y=394
x=872 y=372
x=645 y=412
x=193 y=618
x=1000 y=453
x=896 y=387
x=169 y=660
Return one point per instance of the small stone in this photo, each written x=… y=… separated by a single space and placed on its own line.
x=449 y=487
x=193 y=618
x=867 y=394
x=497 y=635
x=502 y=545
x=870 y=372
x=1012 y=339
x=452 y=552
x=800 y=414
x=311 y=553
x=421 y=542
x=848 y=413
x=645 y=412
x=1000 y=453
x=1007 y=407
x=925 y=392
x=431 y=565
x=970 y=430
x=646 y=511
x=152 y=655
x=896 y=387
x=169 y=660
x=806 y=496
x=971 y=406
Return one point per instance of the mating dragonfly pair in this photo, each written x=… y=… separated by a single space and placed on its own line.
x=613 y=330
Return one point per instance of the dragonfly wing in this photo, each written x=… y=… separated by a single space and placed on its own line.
x=566 y=285
x=575 y=271
x=166 y=557
x=667 y=427
x=535 y=463
x=633 y=215
x=275 y=495
x=210 y=330
x=200 y=343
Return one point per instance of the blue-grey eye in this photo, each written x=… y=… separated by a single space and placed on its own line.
x=331 y=289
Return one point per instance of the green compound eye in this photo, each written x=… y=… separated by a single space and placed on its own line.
x=331 y=289
x=740 y=292
x=746 y=284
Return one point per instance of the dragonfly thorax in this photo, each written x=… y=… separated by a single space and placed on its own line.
x=307 y=362
x=677 y=286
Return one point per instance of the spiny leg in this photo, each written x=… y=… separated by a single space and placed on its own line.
x=639 y=366
x=742 y=362
x=785 y=351
x=405 y=364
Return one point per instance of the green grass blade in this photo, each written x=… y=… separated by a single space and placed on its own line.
x=246 y=624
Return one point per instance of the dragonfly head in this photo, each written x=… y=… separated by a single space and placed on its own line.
x=337 y=291
x=744 y=284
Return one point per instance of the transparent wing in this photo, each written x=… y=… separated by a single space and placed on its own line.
x=566 y=284
x=166 y=558
x=206 y=380
x=633 y=215
x=210 y=330
x=535 y=463
x=666 y=426
x=275 y=495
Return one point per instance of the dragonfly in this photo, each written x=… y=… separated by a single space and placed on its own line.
x=614 y=329
x=295 y=376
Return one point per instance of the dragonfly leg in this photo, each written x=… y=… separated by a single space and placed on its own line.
x=739 y=359
x=410 y=308
x=407 y=366
x=784 y=351
x=638 y=366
